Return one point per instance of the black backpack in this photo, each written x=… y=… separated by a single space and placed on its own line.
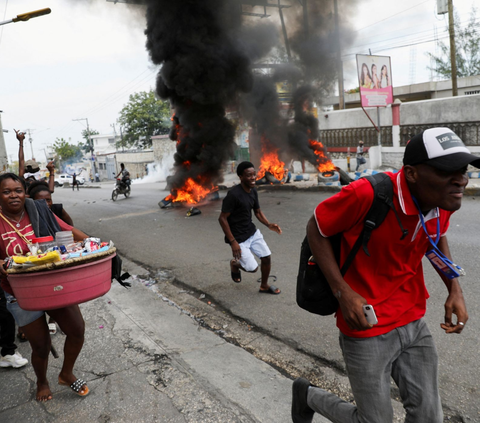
x=313 y=291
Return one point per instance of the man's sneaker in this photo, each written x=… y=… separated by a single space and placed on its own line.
x=15 y=360
x=301 y=412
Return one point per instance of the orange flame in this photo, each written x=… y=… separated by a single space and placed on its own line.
x=324 y=164
x=192 y=192
x=269 y=162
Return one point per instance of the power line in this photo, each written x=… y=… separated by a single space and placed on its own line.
x=421 y=40
x=391 y=16
x=111 y=99
x=118 y=95
x=115 y=93
x=370 y=44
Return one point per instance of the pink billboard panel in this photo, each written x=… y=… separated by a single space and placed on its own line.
x=375 y=79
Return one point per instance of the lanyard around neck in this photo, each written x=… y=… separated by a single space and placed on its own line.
x=434 y=243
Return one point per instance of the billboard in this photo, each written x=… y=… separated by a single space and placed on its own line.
x=284 y=90
x=375 y=80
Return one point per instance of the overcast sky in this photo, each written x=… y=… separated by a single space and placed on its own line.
x=86 y=57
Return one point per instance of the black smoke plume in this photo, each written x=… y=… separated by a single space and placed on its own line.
x=305 y=128
x=315 y=43
x=204 y=68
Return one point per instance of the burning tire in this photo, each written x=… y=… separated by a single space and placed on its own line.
x=344 y=177
x=271 y=179
x=114 y=195
x=330 y=176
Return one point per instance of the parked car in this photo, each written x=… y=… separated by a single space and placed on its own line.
x=61 y=178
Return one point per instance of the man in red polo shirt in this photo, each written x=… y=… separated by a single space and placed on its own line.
x=427 y=190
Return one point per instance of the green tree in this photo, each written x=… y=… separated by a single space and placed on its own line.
x=142 y=117
x=467 y=43
x=88 y=144
x=65 y=152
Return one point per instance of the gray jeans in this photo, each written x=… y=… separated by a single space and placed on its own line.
x=408 y=355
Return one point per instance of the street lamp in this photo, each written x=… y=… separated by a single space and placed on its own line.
x=23 y=17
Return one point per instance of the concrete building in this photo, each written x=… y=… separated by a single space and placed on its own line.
x=135 y=161
x=342 y=129
x=105 y=143
x=163 y=148
x=431 y=90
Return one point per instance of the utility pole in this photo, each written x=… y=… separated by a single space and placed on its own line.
x=284 y=30
x=453 y=50
x=30 y=140
x=305 y=18
x=341 y=90
x=121 y=137
x=90 y=144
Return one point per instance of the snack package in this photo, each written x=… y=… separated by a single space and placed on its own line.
x=74 y=248
x=39 y=259
x=92 y=244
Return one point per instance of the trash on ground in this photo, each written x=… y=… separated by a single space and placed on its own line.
x=193 y=211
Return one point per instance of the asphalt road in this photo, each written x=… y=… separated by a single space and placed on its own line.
x=193 y=249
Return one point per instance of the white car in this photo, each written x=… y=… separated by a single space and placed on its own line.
x=61 y=178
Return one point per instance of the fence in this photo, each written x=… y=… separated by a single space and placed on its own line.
x=349 y=137
x=469 y=132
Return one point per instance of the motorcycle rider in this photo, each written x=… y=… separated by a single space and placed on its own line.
x=125 y=175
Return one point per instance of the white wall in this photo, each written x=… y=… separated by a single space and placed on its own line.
x=354 y=118
x=452 y=109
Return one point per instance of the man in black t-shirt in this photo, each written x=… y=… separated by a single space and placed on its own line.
x=241 y=233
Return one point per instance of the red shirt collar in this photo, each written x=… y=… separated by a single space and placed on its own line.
x=404 y=195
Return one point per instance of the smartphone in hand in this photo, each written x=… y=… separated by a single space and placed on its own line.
x=370 y=314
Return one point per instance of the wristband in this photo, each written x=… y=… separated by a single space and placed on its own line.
x=230 y=242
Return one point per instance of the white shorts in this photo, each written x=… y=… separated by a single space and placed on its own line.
x=256 y=245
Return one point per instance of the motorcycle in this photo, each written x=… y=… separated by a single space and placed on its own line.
x=120 y=188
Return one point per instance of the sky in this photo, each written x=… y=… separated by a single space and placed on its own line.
x=84 y=60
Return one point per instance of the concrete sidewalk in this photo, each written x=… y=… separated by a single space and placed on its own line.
x=147 y=360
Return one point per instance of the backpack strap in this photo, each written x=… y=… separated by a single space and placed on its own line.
x=382 y=192
x=382 y=203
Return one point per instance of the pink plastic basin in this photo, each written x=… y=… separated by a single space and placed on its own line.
x=63 y=287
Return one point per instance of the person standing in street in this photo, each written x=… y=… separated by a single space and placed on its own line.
x=360 y=152
x=427 y=191
x=240 y=231
x=75 y=182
